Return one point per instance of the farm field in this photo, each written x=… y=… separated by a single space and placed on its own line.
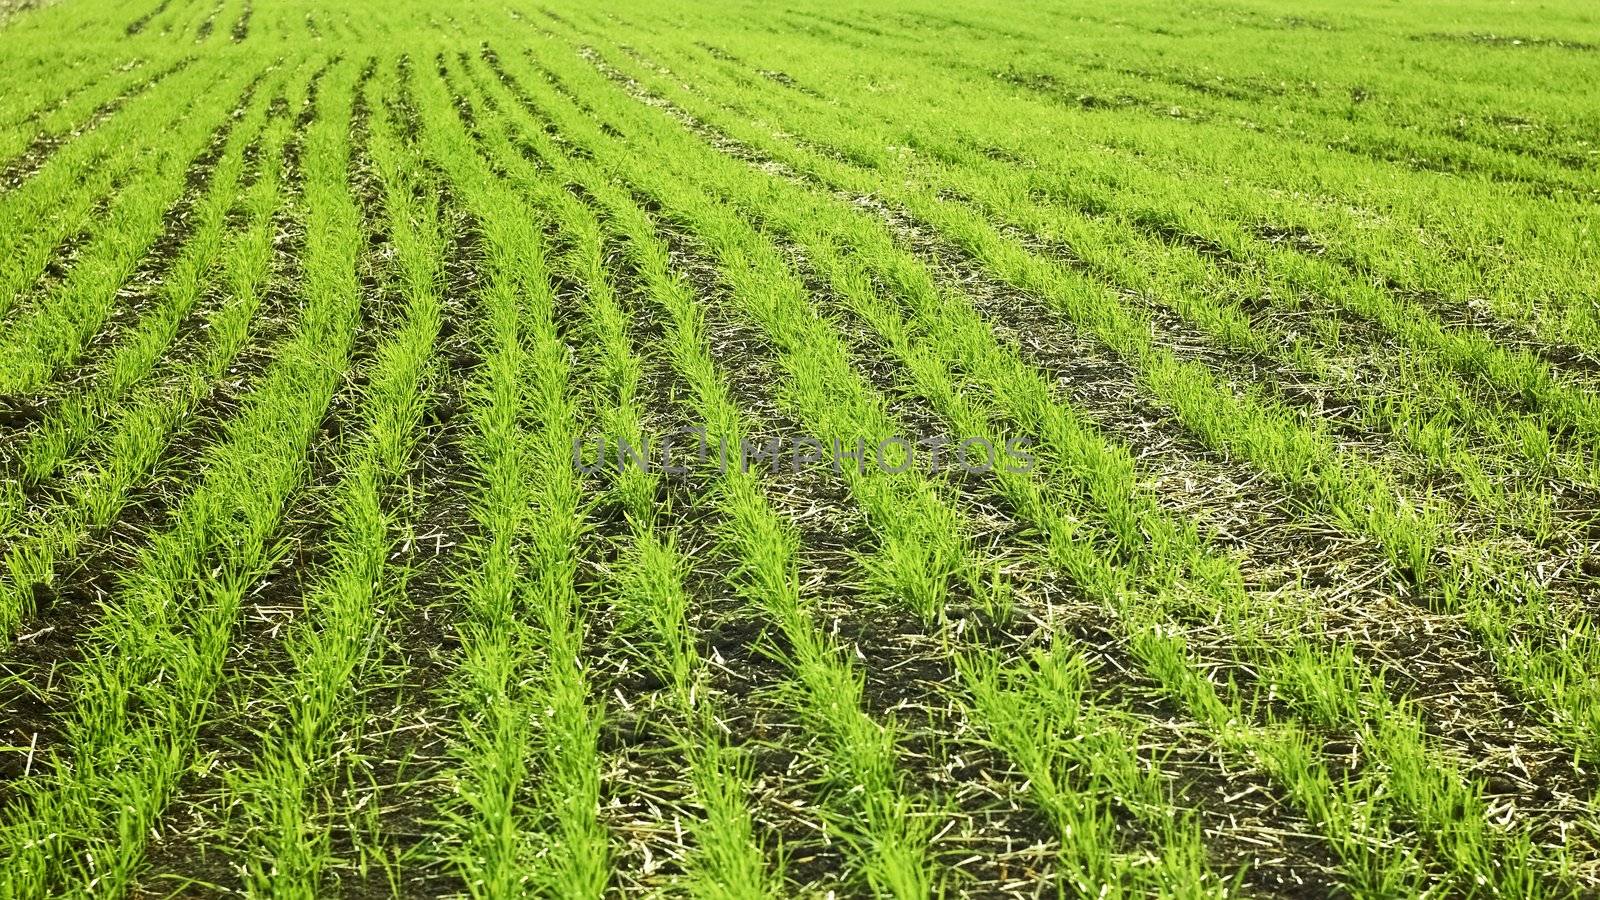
x=728 y=450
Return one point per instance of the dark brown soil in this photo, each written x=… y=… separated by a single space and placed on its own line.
x=139 y=24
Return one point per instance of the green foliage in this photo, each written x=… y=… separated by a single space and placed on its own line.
x=288 y=290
